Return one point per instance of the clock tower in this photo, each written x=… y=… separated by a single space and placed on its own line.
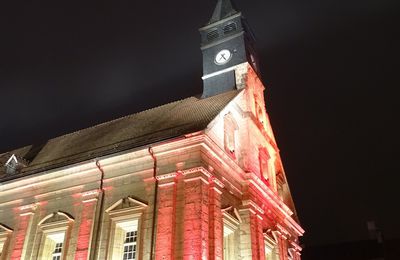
x=226 y=41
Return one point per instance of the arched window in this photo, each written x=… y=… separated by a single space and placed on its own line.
x=54 y=232
x=230 y=130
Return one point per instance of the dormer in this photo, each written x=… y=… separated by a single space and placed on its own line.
x=14 y=164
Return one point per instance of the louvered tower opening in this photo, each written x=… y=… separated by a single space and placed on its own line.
x=231 y=27
x=212 y=35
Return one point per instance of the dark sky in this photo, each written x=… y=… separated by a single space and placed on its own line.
x=331 y=68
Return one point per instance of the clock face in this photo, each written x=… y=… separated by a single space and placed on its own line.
x=223 y=57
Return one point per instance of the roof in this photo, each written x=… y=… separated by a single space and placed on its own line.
x=143 y=128
x=223 y=10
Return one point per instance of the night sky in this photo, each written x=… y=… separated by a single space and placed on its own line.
x=331 y=69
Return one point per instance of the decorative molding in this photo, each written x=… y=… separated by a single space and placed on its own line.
x=210 y=177
x=294 y=225
x=5 y=228
x=32 y=207
x=254 y=205
x=283 y=230
x=90 y=193
x=126 y=203
x=58 y=216
x=166 y=176
x=269 y=240
x=89 y=200
x=275 y=201
x=197 y=178
x=295 y=246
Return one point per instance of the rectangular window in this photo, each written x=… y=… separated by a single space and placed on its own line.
x=271 y=250
x=231 y=227
x=57 y=251
x=130 y=245
x=267 y=168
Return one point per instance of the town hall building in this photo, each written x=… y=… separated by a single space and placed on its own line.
x=199 y=178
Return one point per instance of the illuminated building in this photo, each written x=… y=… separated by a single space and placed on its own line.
x=199 y=178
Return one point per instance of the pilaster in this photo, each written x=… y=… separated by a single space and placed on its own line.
x=22 y=230
x=196 y=218
x=215 y=222
x=166 y=220
x=249 y=237
x=89 y=203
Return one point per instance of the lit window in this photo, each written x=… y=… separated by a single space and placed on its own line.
x=57 y=251
x=231 y=222
x=271 y=251
x=124 y=235
x=54 y=231
x=130 y=245
x=230 y=129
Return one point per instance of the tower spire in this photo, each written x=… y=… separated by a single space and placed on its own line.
x=226 y=42
x=224 y=9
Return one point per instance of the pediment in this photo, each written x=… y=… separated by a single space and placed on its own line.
x=270 y=239
x=56 y=217
x=231 y=220
x=126 y=203
x=231 y=212
x=5 y=230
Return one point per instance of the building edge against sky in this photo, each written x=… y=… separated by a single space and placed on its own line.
x=200 y=178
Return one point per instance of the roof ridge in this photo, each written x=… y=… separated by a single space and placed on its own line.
x=120 y=118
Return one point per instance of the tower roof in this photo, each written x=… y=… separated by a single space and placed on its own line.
x=224 y=9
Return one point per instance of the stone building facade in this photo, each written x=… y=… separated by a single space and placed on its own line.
x=200 y=178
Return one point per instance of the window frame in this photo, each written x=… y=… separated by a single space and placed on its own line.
x=267 y=168
x=231 y=221
x=120 y=213
x=54 y=224
x=230 y=135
